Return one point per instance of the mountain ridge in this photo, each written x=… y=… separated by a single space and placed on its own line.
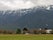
x=30 y=18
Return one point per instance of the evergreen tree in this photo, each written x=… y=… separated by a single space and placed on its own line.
x=18 y=31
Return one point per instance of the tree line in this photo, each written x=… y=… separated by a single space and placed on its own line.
x=26 y=31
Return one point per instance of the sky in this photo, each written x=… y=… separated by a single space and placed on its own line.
x=21 y=4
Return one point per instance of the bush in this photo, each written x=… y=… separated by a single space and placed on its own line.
x=36 y=31
x=10 y=32
x=18 y=31
x=43 y=31
x=39 y=32
x=4 y=32
x=52 y=32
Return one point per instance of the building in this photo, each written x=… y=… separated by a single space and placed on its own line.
x=48 y=31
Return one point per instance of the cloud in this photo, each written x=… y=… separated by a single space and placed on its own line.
x=16 y=4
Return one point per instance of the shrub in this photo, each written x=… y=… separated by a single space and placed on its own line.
x=52 y=32
x=18 y=31
x=43 y=31
x=4 y=32
x=36 y=31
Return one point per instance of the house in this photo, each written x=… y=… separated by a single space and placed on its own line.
x=48 y=31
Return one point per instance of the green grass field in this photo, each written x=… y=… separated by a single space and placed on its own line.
x=26 y=37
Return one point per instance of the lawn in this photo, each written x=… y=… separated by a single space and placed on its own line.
x=26 y=37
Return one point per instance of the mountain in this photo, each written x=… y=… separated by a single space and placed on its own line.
x=40 y=17
x=31 y=18
x=8 y=18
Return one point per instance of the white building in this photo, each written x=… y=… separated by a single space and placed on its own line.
x=48 y=31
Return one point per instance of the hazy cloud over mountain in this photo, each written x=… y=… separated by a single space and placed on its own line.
x=16 y=4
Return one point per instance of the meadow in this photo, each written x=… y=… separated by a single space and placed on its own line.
x=26 y=37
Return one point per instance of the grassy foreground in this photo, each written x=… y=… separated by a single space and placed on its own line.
x=26 y=37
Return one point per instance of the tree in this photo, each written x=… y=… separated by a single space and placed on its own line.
x=18 y=31
x=25 y=30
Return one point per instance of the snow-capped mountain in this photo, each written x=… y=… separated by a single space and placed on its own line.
x=21 y=12
x=35 y=17
x=38 y=17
